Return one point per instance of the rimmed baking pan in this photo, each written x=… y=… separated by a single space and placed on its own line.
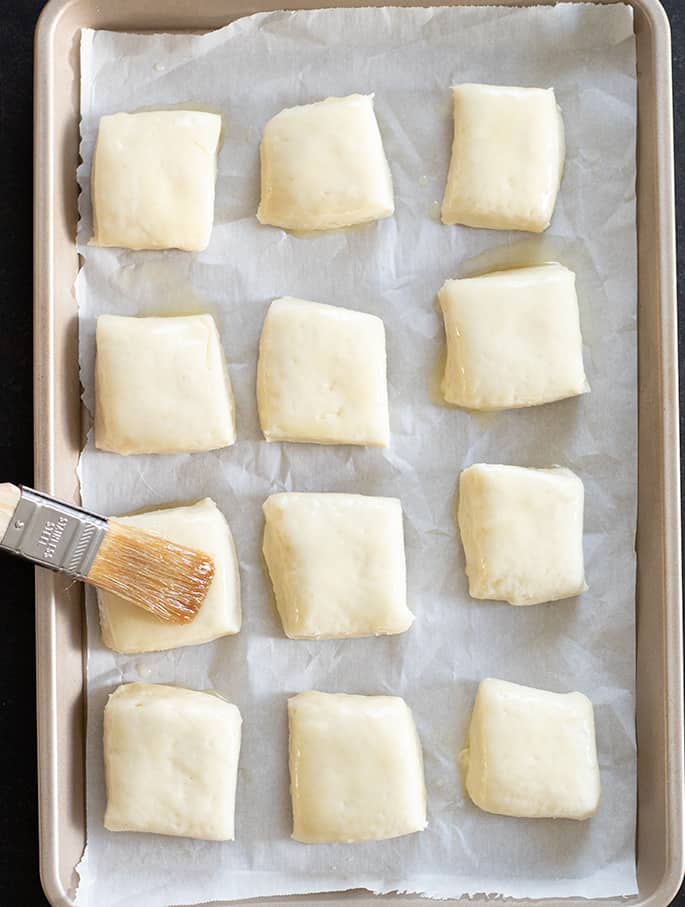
x=60 y=637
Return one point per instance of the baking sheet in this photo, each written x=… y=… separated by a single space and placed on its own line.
x=409 y=57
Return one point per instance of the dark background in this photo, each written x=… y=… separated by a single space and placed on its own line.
x=19 y=882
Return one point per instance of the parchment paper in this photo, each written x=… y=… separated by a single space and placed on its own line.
x=409 y=58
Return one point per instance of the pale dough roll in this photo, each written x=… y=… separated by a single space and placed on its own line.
x=522 y=532
x=161 y=386
x=323 y=166
x=153 y=179
x=171 y=761
x=356 y=768
x=513 y=338
x=321 y=375
x=337 y=564
x=532 y=753
x=507 y=158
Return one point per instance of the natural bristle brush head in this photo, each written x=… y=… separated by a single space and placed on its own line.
x=169 y=580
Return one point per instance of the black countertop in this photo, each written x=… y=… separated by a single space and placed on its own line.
x=19 y=882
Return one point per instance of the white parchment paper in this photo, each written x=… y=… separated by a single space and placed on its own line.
x=409 y=58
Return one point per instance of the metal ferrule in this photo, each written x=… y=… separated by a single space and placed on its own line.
x=54 y=534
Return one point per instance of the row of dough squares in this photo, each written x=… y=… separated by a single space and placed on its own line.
x=356 y=764
x=323 y=166
x=163 y=386
x=337 y=561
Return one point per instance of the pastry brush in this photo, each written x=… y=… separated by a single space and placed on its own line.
x=167 y=579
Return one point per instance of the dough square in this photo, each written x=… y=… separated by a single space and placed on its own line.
x=532 y=753
x=171 y=761
x=321 y=375
x=522 y=532
x=324 y=167
x=162 y=386
x=507 y=158
x=337 y=564
x=513 y=338
x=153 y=179
x=356 y=768
x=129 y=629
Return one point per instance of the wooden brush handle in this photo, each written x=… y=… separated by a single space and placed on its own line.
x=9 y=498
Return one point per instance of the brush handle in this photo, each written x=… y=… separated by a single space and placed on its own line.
x=49 y=532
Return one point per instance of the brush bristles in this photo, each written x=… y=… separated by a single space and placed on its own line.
x=166 y=579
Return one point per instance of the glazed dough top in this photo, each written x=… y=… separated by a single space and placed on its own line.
x=201 y=526
x=153 y=179
x=324 y=167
